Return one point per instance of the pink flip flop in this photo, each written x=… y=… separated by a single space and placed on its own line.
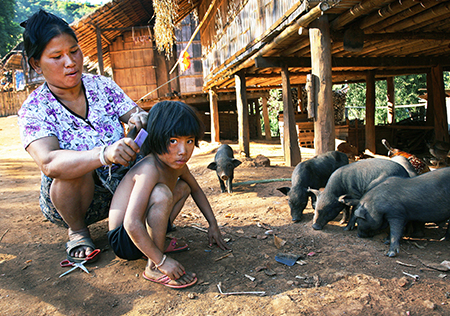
x=173 y=247
x=164 y=280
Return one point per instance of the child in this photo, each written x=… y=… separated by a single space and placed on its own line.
x=154 y=191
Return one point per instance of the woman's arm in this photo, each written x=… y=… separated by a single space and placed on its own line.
x=58 y=163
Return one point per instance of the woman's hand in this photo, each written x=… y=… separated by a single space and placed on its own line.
x=138 y=118
x=121 y=152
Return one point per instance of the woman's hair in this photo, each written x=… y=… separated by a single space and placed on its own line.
x=168 y=119
x=40 y=28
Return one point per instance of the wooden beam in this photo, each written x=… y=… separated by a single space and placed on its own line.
x=324 y=132
x=397 y=36
x=370 y=111
x=100 y=52
x=266 y=120
x=440 y=109
x=390 y=100
x=430 y=101
x=352 y=62
x=358 y=10
x=214 y=114
x=242 y=107
x=292 y=154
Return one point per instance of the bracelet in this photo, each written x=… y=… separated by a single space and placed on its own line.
x=102 y=156
x=157 y=265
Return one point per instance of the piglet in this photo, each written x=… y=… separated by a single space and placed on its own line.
x=312 y=173
x=395 y=201
x=224 y=164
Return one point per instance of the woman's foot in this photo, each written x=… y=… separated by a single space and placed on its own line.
x=186 y=280
x=80 y=243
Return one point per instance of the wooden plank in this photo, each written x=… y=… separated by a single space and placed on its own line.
x=267 y=132
x=370 y=111
x=440 y=109
x=292 y=154
x=319 y=36
x=242 y=107
x=214 y=110
x=390 y=100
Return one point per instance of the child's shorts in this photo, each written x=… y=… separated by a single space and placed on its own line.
x=123 y=246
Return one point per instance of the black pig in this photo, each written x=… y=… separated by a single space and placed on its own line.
x=312 y=173
x=354 y=179
x=425 y=198
x=224 y=164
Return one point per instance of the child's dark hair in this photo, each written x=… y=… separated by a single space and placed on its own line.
x=40 y=28
x=168 y=119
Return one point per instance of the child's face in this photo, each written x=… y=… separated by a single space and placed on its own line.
x=180 y=150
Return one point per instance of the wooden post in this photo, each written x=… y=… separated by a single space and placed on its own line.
x=99 y=51
x=242 y=108
x=391 y=100
x=320 y=43
x=214 y=113
x=440 y=109
x=430 y=101
x=257 y=119
x=266 y=119
x=292 y=154
x=370 y=111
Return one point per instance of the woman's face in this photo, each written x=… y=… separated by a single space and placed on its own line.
x=61 y=63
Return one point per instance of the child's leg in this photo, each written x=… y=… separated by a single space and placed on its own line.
x=159 y=211
x=180 y=194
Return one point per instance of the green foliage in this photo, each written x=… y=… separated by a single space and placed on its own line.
x=17 y=11
x=9 y=29
x=274 y=106
x=407 y=91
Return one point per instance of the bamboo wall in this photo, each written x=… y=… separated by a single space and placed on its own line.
x=229 y=29
x=11 y=101
x=137 y=66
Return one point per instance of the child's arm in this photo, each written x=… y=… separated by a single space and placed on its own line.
x=203 y=204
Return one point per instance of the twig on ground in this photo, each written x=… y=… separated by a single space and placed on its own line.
x=238 y=293
x=4 y=234
x=224 y=256
x=406 y=264
x=199 y=228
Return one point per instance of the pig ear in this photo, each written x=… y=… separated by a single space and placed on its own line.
x=348 y=200
x=284 y=190
x=314 y=191
x=212 y=165
x=361 y=212
x=236 y=162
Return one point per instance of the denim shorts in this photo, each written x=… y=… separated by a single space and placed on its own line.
x=106 y=182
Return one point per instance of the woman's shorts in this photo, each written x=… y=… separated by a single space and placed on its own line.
x=106 y=182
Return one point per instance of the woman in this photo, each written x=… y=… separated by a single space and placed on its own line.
x=71 y=127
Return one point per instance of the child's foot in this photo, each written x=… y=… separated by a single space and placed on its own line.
x=188 y=279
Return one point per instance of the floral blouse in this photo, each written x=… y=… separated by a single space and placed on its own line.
x=42 y=115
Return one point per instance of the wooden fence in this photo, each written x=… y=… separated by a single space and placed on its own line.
x=11 y=101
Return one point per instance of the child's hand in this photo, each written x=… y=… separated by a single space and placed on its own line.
x=215 y=235
x=172 y=268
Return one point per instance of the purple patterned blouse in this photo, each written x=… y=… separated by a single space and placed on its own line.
x=42 y=115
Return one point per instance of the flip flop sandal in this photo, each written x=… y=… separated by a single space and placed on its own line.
x=172 y=248
x=164 y=280
x=72 y=244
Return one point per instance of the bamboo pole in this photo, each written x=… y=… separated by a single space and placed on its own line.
x=386 y=12
x=180 y=58
x=358 y=10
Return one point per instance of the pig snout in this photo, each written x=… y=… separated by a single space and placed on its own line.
x=224 y=177
x=317 y=226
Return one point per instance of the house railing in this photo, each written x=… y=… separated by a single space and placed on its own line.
x=11 y=101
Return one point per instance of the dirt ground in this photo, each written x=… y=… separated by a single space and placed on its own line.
x=339 y=274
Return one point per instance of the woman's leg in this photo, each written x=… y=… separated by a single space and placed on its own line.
x=72 y=199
